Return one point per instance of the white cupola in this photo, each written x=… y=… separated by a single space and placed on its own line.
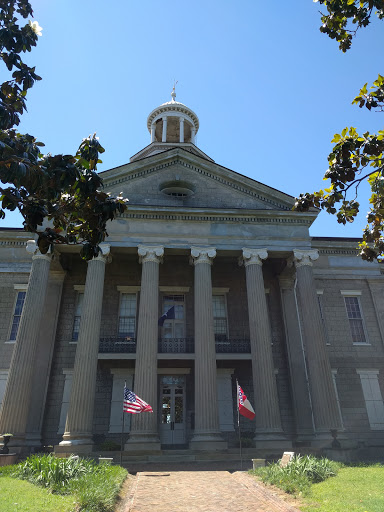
x=172 y=124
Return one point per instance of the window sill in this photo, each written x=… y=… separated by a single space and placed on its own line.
x=361 y=344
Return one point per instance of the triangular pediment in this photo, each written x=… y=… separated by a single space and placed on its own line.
x=155 y=181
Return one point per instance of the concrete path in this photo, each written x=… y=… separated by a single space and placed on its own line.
x=201 y=491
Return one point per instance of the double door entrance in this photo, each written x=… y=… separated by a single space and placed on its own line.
x=172 y=410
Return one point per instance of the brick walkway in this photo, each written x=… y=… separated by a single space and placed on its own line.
x=205 y=491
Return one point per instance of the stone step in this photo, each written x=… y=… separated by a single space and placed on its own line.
x=172 y=458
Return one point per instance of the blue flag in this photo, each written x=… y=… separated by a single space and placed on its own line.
x=169 y=315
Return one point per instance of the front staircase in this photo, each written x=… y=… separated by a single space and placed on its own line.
x=187 y=459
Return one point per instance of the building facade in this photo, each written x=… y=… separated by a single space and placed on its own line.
x=298 y=321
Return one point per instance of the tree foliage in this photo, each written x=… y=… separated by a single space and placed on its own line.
x=355 y=157
x=62 y=189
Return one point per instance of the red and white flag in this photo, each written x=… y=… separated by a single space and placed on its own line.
x=133 y=404
x=245 y=408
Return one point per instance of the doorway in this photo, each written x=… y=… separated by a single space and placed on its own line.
x=172 y=410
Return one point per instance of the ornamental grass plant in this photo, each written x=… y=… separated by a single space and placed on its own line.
x=93 y=487
x=298 y=476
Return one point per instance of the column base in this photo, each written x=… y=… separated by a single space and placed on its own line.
x=143 y=442
x=73 y=449
x=208 y=441
x=75 y=443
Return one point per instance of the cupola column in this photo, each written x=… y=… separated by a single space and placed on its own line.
x=322 y=389
x=268 y=423
x=207 y=430
x=153 y=131
x=144 y=432
x=164 y=136
x=193 y=133
x=181 y=129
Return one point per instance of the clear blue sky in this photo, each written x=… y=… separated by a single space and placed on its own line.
x=269 y=89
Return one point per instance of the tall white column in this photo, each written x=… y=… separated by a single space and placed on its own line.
x=207 y=430
x=193 y=133
x=153 y=132
x=79 y=425
x=17 y=397
x=144 y=431
x=181 y=129
x=268 y=422
x=324 y=402
x=296 y=358
x=164 y=135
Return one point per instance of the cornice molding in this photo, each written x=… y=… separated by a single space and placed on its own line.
x=14 y=243
x=353 y=252
x=190 y=216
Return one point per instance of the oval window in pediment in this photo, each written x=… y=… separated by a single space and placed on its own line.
x=177 y=189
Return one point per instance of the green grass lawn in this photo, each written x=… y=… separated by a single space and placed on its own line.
x=19 y=495
x=354 y=489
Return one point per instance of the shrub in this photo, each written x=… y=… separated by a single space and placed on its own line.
x=53 y=472
x=95 y=487
x=299 y=474
x=97 y=491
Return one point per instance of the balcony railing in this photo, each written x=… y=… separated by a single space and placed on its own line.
x=233 y=346
x=116 y=345
x=176 y=346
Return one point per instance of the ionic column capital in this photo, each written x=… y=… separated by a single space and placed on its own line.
x=150 y=253
x=202 y=255
x=305 y=257
x=104 y=254
x=253 y=257
x=32 y=248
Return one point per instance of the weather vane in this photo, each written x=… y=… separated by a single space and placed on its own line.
x=173 y=93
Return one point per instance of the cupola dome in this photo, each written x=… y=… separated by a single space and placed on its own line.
x=173 y=122
x=171 y=125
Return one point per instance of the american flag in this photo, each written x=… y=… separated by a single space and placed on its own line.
x=132 y=403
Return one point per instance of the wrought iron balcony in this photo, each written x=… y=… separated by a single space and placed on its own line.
x=125 y=345
x=176 y=346
x=116 y=345
x=233 y=346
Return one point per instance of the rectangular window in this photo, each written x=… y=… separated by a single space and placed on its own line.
x=220 y=324
x=373 y=398
x=174 y=327
x=127 y=315
x=355 y=318
x=17 y=314
x=77 y=318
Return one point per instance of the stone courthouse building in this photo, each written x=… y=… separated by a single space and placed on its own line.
x=299 y=321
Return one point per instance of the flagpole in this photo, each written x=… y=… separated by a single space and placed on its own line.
x=238 y=424
x=122 y=430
